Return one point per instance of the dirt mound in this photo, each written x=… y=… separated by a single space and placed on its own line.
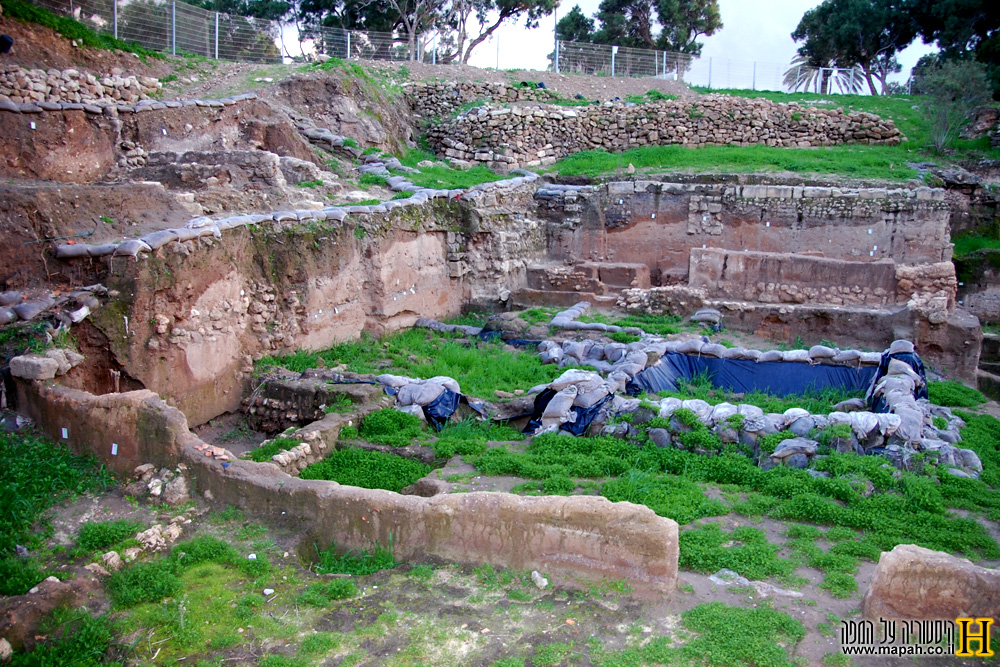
x=39 y=47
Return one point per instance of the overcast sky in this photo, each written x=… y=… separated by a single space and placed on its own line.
x=752 y=31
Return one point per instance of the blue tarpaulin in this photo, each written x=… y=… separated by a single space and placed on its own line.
x=778 y=378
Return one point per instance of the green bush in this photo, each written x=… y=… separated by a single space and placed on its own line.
x=953 y=394
x=391 y=427
x=101 y=535
x=369 y=470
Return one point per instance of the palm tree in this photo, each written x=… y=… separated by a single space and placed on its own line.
x=804 y=73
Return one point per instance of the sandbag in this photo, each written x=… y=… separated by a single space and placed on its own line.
x=395 y=381
x=863 y=423
x=699 y=407
x=847 y=356
x=722 y=411
x=668 y=406
x=558 y=411
x=713 y=350
x=771 y=355
x=797 y=356
x=822 y=352
x=692 y=346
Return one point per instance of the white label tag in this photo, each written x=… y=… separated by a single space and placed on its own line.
x=114 y=449
x=65 y=433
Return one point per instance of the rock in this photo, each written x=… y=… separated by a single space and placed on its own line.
x=426 y=487
x=177 y=491
x=800 y=461
x=802 y=426
x=97 y=570
x=911 y=582
x=660 y=437
x=132 y=553
x=112 y=561
x=792 y=446
x=34 y=367
x=144 y=471
x=970 y=460
x=6 y=650
x=268 y=591
x=540 y=581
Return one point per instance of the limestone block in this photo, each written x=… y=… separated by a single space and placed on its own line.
x=916 y=583
x=34 y=367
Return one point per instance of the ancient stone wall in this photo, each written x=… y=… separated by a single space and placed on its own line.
x=510 y=137
x=193 y=315
x=568 y=538
x=659 y=223
x=442 y=98
x=19 y=85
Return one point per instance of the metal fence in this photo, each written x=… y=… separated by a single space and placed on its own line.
x=180 y=28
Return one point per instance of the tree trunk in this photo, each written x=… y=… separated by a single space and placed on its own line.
x=482 y=38
x=866 y=68
x=411 y=37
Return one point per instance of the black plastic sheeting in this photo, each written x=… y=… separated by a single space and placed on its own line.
x=584 y=416
x=442 y=408
x=911 y=359
x=779 y=378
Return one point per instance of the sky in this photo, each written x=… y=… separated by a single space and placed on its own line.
x=753 y=31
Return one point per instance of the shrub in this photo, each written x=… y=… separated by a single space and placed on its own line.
x=953 y=91
x=369 y=470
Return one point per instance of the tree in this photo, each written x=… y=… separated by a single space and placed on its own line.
x=668 y=25
x=414 y=15
x=954 y=90
x=866 y=33
x=962 y=28
x=504 y=11
x=575 y=27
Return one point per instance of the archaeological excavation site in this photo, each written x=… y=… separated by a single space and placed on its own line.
x=352 y=362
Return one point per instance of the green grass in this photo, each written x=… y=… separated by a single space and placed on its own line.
x=72 y=637
x=851 y=160
x=745 y=550
x=440 y=177
x=701 y=387
x=71 y=29
x=356 y=563
x=324 y=593
x=100 y=536
x=268 y=449
x=481 y=367
x=391 y=427
x=35 y=475
x=367 y=469
x=470 y=436
x=953 y=394
x=968 y=243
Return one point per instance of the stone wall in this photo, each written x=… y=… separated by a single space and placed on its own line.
x=19 y=85
x=658 y=223
x=787 y=278
x=442 y=98
x=570 y=539
x=201 y=309
x=505 y=138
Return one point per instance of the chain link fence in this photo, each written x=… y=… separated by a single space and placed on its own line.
x=176 y=27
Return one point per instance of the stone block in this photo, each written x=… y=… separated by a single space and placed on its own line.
x=34 y=367
x=911 y=582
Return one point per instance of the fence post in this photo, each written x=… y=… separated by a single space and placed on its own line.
x=348 y=56
x=614 y=51
x=173 y=28
x=498 y=53
x=556 y=59
x=114 y=16
x=709 y=73
x=216 y=35
x=755 y=75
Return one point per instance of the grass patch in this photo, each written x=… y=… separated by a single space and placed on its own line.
x=99 y=536
x=480 y=366
x=953 y=394
x=367 y=469
x=358 y=563
x=71 y=637
x=325 y=593
x=745 y=550
x=391 y=427
x=441 y=177
x=35 y=475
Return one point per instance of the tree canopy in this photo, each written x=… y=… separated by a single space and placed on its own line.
x=669 y=25
x=863 y=33
x=962 y=29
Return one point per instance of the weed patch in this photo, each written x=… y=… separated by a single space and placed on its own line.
x=367 y=469
x=358 y=563
x=267 y=450
x=391 y=427
x=953 y=394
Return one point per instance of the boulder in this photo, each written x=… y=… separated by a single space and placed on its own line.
x=34 y=367
x=911 y=582
x=177 y=491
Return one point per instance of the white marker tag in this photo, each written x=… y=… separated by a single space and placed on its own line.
x=114 y=449
x=65 y=433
